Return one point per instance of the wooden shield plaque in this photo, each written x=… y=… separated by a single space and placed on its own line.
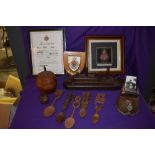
x=74 y=62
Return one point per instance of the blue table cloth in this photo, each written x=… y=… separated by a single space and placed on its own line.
x=29 y=114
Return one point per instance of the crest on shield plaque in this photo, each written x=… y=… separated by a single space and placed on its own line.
x=74 y=62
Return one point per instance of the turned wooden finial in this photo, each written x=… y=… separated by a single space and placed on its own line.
x=44 y=68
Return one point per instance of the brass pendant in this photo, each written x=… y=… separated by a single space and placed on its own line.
x=49 y=111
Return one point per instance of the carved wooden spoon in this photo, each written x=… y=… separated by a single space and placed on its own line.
x=99 y=101
x=84 y=104
x=96 y=116
x=61 y=115
x=49 y=111
x=70 y=121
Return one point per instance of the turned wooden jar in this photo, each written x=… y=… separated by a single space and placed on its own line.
x=46 y=83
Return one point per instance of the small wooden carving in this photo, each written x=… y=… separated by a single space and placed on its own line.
x=43 y=98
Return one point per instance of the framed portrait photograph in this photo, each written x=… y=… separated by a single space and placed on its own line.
x=105 y=54
x=131 y=84
x=46 y=49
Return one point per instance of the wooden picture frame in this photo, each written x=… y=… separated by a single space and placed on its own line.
x=48 y=51
x=104 y=54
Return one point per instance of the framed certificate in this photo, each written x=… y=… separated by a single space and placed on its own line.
x=46 y=48
x=105 y=54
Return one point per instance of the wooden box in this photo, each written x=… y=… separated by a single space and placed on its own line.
x=8 y=105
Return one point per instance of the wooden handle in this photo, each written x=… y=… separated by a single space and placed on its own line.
x=73 y=112
x=53 y=102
